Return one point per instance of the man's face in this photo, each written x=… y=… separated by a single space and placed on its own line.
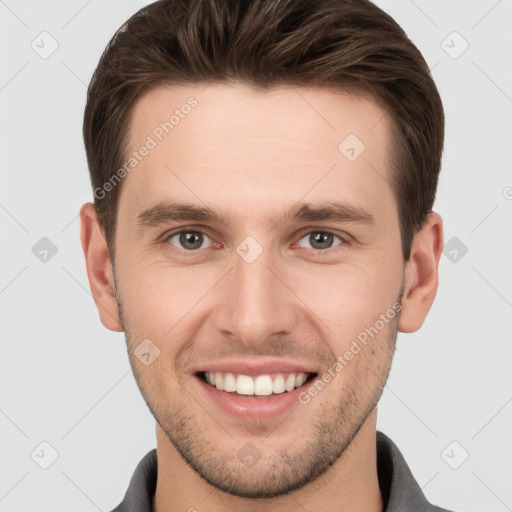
x=260 y=292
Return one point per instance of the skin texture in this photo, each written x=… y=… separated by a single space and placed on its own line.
x=252 y=155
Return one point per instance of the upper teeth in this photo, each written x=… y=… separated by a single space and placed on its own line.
x=260 y=385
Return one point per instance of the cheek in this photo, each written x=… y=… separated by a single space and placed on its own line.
x=346 y=299
x=348 y=289
x=156 y=297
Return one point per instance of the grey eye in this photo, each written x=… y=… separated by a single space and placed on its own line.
x=189 y=239
x=319 y=240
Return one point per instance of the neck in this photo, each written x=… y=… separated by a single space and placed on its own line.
x=351 y=484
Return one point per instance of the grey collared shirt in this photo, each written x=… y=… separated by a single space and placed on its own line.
x=400 y=491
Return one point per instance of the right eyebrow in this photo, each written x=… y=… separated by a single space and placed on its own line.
x=168 y=211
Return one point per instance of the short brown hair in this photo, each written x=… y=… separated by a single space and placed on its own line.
x=265 y=43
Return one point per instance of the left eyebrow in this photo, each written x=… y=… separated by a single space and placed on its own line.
x=302 y=212
x=332 y=210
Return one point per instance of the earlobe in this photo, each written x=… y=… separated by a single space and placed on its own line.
x=99 y=268
x=421 y=274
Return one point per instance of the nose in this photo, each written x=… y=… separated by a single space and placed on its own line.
x=255 y=302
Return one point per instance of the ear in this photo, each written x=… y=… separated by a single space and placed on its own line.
x=421 y=276
x=99 y=268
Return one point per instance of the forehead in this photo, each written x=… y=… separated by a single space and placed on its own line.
x=234 y=145
x=298 y=114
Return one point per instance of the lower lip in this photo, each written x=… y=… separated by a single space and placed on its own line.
x=252 y=408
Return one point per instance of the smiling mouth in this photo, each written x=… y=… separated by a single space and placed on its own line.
x=261 y=386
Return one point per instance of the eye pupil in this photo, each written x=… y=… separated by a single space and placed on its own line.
x=191 y=237
x=323 y=239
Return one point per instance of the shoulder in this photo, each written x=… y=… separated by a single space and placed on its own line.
x=400 y=490
x=139 y=496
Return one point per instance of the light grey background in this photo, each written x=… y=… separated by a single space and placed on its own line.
x=66 y=380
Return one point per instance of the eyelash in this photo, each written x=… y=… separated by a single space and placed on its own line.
x=344 y=240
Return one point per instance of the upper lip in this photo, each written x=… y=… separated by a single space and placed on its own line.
x=255 y=367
